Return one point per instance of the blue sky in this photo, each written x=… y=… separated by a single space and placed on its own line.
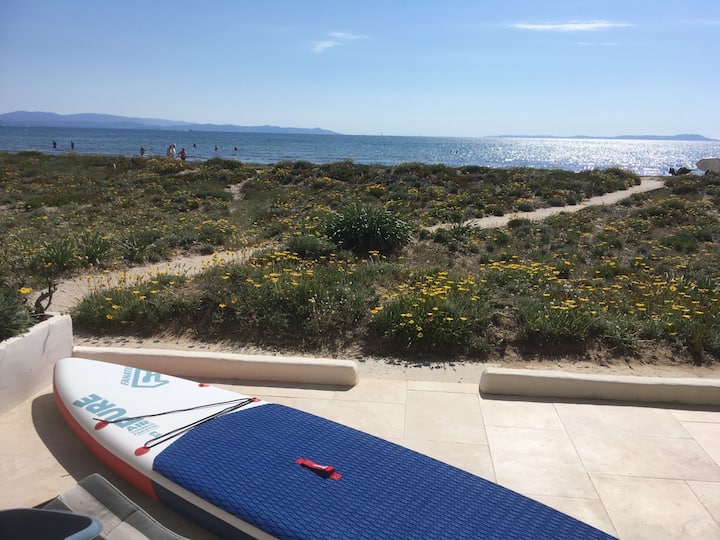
x=452 y=68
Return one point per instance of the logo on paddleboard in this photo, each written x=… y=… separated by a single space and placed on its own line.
x=140 y=378
x=108 y=411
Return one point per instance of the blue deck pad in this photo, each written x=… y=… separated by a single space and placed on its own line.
x=245 y=464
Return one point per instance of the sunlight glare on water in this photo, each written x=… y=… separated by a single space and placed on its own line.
x=645 y=157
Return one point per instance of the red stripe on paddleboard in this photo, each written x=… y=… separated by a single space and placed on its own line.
x=129 y=473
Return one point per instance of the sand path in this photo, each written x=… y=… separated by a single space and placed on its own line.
x=648 y=183
x=70 y=291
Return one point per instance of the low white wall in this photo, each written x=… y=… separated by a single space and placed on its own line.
x=26 y=361
x=564 y=385
x=229 y=366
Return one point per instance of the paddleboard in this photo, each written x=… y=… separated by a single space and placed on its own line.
x=247 y=468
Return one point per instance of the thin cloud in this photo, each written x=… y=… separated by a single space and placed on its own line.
x=587 y=26
x=596 y=44
x=336 y=39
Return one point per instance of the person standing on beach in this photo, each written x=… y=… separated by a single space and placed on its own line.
x=183 y=154
x=170 y=152
x=142 y=151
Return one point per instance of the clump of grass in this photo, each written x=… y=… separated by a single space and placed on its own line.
x=363 y=229
x=309 y=246
x=93 y=248
x=280 y=298
x=145 y=307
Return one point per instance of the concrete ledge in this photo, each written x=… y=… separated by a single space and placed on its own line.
x=560 y=384
x=27 y=360
x=227 y=366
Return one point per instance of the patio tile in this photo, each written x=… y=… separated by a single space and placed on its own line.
x=522 y=414
x=634 y=455
x=375 y=390
x=709 y=495
x=708 y=436
x=473 y=458
x=453 y=388
x=590 y=511
x=696 y=415
x=586 y=417
x=538 y=462
x=444 y=417
x=654 y=508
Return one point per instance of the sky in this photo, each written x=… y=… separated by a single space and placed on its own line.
x=461 y=68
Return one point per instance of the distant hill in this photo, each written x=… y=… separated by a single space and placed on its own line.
x=680 y=137
x=109 y=121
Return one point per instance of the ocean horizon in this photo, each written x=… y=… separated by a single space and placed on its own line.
x=645 y=157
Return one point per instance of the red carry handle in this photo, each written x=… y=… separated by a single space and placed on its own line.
x=328 y=471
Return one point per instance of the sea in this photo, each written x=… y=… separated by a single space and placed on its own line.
x=645 y=157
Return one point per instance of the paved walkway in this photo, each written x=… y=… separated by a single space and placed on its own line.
x=636 y=472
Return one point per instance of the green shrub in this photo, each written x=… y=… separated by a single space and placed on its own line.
x=309 y=247
x=683 y=241
x=362 y=229
x=555 y=323
x=143 y=246
x=93 y=248
x=436 y=314
x=279 y=299
x=15 y=317
x=147 y=307
x=57 y=257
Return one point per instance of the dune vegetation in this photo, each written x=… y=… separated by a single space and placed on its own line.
x=345 y=255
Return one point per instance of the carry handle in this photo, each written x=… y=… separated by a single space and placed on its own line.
x=326 y=471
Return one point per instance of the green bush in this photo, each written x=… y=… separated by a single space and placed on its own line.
x=15 y=318
x=554 y=323
x=147 y=307
x=93 y=248
x=362 y=229
x=309 y=247
x=143 y=246
x=57 y=257
x=282 y=300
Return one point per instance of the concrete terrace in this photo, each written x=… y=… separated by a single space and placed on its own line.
x=635 y=471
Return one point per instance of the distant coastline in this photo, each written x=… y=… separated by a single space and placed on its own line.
x=109 y=121
x=25 y=119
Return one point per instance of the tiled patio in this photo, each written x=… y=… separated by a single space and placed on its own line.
x=634 y=471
